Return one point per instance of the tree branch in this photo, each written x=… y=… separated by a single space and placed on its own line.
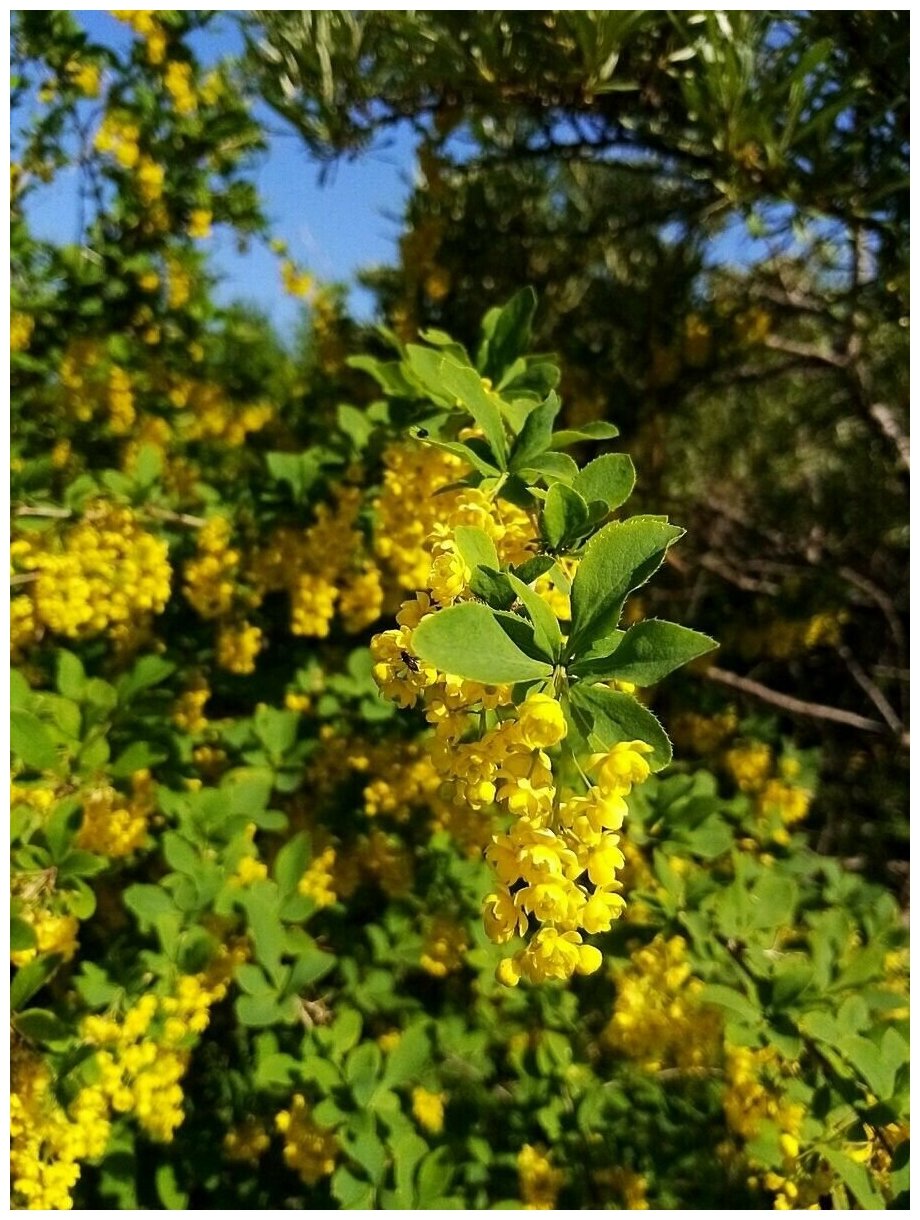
x=797 y=707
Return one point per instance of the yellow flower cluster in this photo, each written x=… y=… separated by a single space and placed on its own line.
x=318 y=882
x=444 y=947
x=749 y=764
x=428 y=1110
x=539 y=1181
x=115 y=825
x=212 y=416
x=99 y=574
x=188 y=709
x=91 y=384
x=21 y=327
x=48 y=1143
x=85 y=77
x=309 y=1149
x=626 y=1185
x=785 y=638
x=413 y=474
x=659 y=1018
x=779 y=803
x=179 y=83
x=296 y=283
x=199 y=227
x=748 y=1102
x=147 y=25
x=703 y=734
x=322 y=567
x=560 y=856
x=246 y=1142
x=238 y=645
x=119 y=136
x=143 y=1056
x=54 y=933
x=385 y=860
x=211 y=577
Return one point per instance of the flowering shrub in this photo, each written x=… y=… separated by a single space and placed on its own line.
x=350 y=866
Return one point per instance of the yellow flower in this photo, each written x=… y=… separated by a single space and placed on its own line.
x=199 y=223
x=428 y=1109
x=538 y=1180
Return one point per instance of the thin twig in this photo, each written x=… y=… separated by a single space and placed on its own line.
x=798 y=707
x=167 y=514
x=42 y=510
x=806 y=351
x=862 y=679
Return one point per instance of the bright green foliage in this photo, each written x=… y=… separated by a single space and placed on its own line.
x=249 y=962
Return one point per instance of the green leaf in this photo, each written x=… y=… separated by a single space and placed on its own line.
x=309 y=967
x=20 y=691
x=276 y=729
x=180 y=854
x=148 y=902
x=70 y=676
x=564 y=517
x=406 y=1061
x=857 y=1179
x=493 y=587
x=618 y=559
x=536 y=434
x=454 y=384
x=734 y=1001
x=22 y=935
x=459 y=449
x=40 y=1025
x=362 y=1069
x=260 y=1011
x=476 y=547
x=648 y=652
x=551 y=468
x=546 y=631
x=599 y=430
x=291 y=862
x=32 y=977
x=351 y=1192
x=138 y=756
x=367 y=1150
x=81 y=864
x=31 y=741
x=535 y=567
x=611 y=716
x=877 y=1069
x=170 y=1194
x=473 y=641
x=355 y=423
x=260 y=903
x=61 y=827
x=434 y=1177
x=608 y=479
x=148 y=671
x=509 y=333
x=94 y=986
x=299 y=470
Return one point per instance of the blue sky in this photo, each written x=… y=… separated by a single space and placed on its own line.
x=334 y=230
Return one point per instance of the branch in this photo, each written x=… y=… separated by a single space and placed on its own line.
x=862 y=679
x=885 y=419
x=807 y=351
x=797 y=707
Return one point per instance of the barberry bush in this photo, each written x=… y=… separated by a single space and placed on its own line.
x=350 y=864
